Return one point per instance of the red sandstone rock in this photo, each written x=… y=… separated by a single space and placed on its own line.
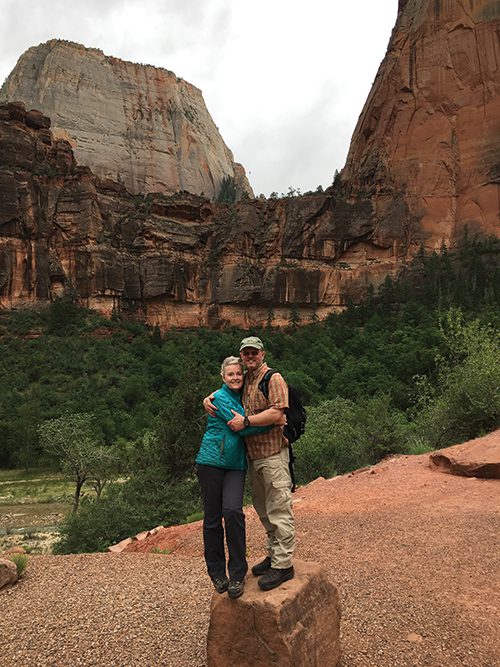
x=8 y=572
x=156 y=257
x=120 y=546
x=142 y=536
x=168 y=539
x=476 y=458
x=428 y=138
x=423 y=164
x=294 y=625
x=37 y=120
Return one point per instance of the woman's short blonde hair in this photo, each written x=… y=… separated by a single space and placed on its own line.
x=230 y=361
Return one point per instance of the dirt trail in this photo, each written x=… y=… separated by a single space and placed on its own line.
x=415 y=554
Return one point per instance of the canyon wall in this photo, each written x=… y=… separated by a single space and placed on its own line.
x=424 y=164
x=429 y=133
x=138 y=124
x=178 y=260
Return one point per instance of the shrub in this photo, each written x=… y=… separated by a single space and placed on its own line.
x=98 y=524
x=464 y=403
x=320 y=451
x=21 y=562
x=144 y=501
x=342 y=435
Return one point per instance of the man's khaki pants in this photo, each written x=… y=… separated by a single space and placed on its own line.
x=271 y=494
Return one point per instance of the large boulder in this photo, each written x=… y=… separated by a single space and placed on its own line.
x=8 y=572
x=296 y=624
x=475 y=458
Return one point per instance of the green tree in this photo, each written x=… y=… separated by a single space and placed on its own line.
x=73 y=440
x=180 y=425
x=294 y=318
x=465 y=400
x=227 y=192
x=64 y=316
x=270 y=319
x=107 y=463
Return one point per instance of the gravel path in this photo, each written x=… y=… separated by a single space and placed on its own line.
x=415 y=555
x=106 y=609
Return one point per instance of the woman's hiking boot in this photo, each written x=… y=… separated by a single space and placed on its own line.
x=274 y=578
x=262 y=567
x=220 y=583
x=235 y=588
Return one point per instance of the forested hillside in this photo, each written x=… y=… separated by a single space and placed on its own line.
x=414 y=367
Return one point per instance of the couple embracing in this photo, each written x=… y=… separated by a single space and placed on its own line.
x=245 y=430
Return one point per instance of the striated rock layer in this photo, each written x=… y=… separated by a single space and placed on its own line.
x=180 y=260
x=428 y=138
x=175 y=261
x=423 y=165
x=138 y=124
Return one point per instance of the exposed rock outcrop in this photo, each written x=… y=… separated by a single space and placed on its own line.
x=8 y=572
x=424 y=163
x=174 y=261
x=139 y=124
x=475 y=458
x=129 y=543
x=428 y=138
x=295 y=625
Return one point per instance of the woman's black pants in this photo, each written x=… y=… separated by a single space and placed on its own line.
x=222 y=493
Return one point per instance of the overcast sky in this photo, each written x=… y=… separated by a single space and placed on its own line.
x=284 y=80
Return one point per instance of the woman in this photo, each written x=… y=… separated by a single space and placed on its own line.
x=221 y=467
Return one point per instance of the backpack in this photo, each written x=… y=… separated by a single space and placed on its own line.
x=295 y=415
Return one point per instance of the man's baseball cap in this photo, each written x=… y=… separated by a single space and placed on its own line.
x=252 y=341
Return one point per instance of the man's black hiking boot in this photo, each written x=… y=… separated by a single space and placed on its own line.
x=235 y=588
x=274 y=578
x=262 y=567
x=220 y=583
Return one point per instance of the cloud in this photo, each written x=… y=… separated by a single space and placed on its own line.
x=285 y=81
x=296 y=150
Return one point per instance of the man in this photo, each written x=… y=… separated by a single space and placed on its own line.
x=268 y=459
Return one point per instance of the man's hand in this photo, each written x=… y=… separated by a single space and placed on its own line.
x=208 y=406
x=265 y=418
x=282 y=421
x=236 y=423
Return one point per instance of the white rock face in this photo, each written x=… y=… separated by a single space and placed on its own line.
x=136 y=123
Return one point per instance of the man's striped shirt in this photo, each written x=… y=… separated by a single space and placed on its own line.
x=264 y=444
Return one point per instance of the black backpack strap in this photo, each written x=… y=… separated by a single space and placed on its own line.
x=291 y=468
x=264 y=383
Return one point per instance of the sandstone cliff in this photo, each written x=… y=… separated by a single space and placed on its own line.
x=177 y=260
x=429 y=134
x=424 y=162
x=139 y=124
